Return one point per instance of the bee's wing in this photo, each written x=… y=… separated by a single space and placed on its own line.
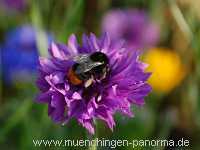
x=87 y=66
x=83 y=58
x=92 y=65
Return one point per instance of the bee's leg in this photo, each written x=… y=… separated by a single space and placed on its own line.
x=89 y=82
x=99 y=97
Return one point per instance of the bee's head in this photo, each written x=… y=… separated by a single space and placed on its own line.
x=99 y=57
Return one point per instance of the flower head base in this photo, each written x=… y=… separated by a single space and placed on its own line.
x=91 y=81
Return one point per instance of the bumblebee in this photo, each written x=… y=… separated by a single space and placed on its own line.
x=88 y=68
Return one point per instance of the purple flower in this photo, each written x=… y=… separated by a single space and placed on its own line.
x=132 y=26
x=116 y=81
x=14 y=4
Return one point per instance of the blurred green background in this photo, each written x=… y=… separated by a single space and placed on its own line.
x=172 y=110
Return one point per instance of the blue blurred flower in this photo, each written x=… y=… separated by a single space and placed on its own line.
x=132 y=26
x=20 y=54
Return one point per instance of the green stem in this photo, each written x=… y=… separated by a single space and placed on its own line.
x=93 y=146
x=94 y=138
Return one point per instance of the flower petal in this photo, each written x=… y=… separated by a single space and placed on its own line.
x=56 y=52
x=56 y=108
x=45 y=97
x=72 y=45
x=88 y=124
x=46 y=65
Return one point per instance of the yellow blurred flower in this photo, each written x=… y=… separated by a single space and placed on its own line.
x=166 y=67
